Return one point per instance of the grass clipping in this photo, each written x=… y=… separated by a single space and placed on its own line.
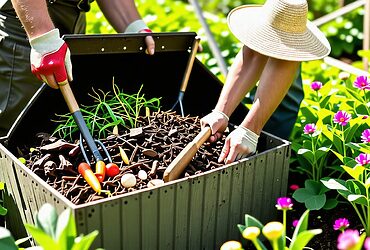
x=109 y=110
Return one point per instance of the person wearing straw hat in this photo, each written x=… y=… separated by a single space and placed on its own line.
x=276 y=36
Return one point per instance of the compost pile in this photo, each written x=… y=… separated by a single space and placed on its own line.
x=150 y=147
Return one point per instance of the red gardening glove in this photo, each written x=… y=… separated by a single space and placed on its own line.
x=50 y=59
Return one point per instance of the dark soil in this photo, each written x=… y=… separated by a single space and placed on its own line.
x=323 y=219
x=151 y=147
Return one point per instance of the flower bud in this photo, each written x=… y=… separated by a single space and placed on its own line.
x=273 y=230
x=251 y=233
x=231 y=245
x=343 y=75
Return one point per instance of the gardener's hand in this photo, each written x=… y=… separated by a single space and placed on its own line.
x=139 y=26
x=217 y=121
x=239 y=144
x=50 y=58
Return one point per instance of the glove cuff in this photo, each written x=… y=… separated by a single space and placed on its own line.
x=47 y=42
x=136 y=26
x=221 y=113
x=249 y=134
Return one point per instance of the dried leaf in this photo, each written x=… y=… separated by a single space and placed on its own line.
x=123 y=155
x=115 y=130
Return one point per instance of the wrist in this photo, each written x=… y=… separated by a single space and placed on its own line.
x=136 y=27
x=47 y=42
x=221 y=113
x=250 y=134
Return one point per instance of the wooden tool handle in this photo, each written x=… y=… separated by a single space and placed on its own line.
x=70 y=99
x=177 y=166
x=189 y=66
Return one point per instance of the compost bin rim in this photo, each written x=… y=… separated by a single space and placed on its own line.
x=128 y=43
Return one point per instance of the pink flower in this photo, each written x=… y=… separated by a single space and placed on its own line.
x=284 y=203
x=361 y=82
x=348 y=239
x=316 y=85
x=367 y=244
x=295 y=223
x=363 y=159
x=341 y=224
x=294 y=187
x=365 y=117
x=342 y=118
x=309 y=128
x=365 y=137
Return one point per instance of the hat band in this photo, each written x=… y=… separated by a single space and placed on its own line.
x=289 y=27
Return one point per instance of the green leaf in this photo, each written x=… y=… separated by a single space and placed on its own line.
x=2 y=185
x=334 y=184
x=355 y=95
x=66 y=230
x=355 y=172
x=320 y=152
x=3 y=211
x=241 y=228
x=340 y=157
x=330 y=204
x=42 y=239
x=6 y=240
x=303 y=238
x=84 y=242
x=358 y=199
x=301 y=225
x=308 y=154
x=315 y=202
x=46 y=219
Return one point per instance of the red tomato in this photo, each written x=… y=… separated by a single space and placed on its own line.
x=112 y=169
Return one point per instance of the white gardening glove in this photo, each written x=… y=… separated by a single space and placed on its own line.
x=217 y=121
x=139 y=26
x=50 y=58
x=239 y=144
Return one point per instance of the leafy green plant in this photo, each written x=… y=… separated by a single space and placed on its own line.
x=275 y=231
x=108 y=110
x=51 y=232
x=3 y=210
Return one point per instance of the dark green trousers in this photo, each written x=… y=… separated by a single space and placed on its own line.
x=17 y=83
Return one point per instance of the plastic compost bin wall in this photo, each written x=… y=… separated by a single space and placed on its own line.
x=198 y=212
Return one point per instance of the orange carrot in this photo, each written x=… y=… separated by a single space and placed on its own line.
x=100 y=170
x=86 y=172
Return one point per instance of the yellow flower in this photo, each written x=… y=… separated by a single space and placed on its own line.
x=251 y=233
x=273 y=230
x=231 y=245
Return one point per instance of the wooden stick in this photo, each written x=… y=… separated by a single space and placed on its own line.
x=178 y=165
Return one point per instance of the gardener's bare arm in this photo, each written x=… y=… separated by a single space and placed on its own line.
x=34 y=16
x=273 y=86
x=121 y=13
x=242 y=77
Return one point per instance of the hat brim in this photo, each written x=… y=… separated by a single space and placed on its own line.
x=249 y=25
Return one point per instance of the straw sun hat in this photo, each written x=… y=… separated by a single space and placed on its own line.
x=279 y=29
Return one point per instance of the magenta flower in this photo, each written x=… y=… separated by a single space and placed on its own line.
x=365 y=136
x=363 y=159
x=294 y=187
x=284 y=203
x=367 y=244
x=295 y=223
x=341 y=224
x=362 y=83
x=348 y=239
x=316 y=85
x=342 y=118
x=365 y=117
x=309 y=128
